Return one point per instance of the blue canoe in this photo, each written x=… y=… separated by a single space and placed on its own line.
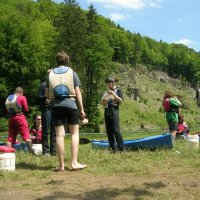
x=163 y=141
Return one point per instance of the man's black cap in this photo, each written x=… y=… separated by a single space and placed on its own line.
x=109 y=80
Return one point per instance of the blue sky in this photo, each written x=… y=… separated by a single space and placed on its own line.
x=172 y=21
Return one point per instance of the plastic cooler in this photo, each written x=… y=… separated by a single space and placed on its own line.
x=192 y=141
x=37 y=148
x=7 y=158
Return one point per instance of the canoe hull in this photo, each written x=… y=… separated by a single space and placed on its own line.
x=163 y=141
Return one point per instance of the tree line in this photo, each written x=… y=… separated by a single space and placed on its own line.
x=32 y=32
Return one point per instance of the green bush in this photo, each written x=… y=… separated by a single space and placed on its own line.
x=3 y=124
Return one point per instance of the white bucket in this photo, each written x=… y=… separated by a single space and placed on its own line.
x=37 y=148
x=192 y=141
x=7 y=161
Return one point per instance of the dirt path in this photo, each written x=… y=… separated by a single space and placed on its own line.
x=79 y=185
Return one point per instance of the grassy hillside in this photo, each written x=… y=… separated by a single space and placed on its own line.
x=147 y=108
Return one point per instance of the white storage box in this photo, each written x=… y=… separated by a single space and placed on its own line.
x=37 y=148
x=7 y=161
x=7 y=158
x=192 y=141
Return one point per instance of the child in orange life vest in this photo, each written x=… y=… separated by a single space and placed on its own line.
x=36 y=131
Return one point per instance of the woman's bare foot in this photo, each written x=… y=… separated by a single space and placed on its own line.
x=77 y=166
x=58 y=169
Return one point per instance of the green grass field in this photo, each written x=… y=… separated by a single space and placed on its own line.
x=35 y=173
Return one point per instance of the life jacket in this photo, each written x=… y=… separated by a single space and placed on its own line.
x=181 y=127
x=170 y=106
x=11 y=104
x=112 y=101
x=166 y=105
x=61 y=83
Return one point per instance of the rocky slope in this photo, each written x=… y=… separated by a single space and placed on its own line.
x=143 y=91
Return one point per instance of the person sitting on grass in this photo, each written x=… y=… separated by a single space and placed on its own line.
x=36 y=130
x=183 y=129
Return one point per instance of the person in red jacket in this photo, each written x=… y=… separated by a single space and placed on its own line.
x=16 y=105
x=182 y=127
x=36 y=130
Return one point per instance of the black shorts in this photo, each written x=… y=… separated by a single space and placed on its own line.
x=63 y=115
x=173 y=126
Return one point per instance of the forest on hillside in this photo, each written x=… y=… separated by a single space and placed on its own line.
x=32 y=32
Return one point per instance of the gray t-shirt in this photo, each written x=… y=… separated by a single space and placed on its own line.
x=68 y=102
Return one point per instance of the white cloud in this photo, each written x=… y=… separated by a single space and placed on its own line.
x=118 y=16
x=186 y=42
x=133 y=4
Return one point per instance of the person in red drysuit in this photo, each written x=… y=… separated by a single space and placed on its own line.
x=16 y=105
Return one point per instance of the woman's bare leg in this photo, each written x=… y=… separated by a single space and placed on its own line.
x=74 y=131
x=60 y=147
